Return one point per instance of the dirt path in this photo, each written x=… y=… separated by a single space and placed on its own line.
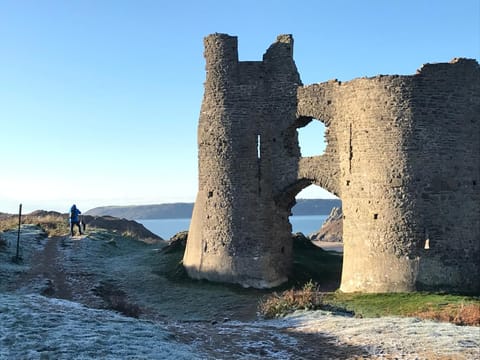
x=56 y=274
x=48 y=272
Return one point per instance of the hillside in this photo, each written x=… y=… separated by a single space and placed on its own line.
x=184 y=210
x=108 y=296
x=315 y=206
x=160 y=211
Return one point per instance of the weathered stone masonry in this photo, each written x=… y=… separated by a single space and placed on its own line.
x=403 y=154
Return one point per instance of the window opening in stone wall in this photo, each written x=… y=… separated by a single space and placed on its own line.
x=427 y=241
x=350 y=149
x=259 y=164
x=258 y=146
x=311 y=138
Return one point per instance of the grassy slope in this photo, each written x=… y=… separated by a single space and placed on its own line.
x=462 y=310
x=313 y=263
x=310 y=262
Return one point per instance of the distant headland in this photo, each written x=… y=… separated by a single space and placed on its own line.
x=184 y=210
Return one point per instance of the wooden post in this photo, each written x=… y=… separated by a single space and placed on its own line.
x=17 y=257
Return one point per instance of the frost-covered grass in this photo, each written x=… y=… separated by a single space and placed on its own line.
x=398 y=337
x=178 y=319
x=105 y=259
x=32 y=239
x=35 y=327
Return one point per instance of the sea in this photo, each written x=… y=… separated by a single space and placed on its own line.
x=166 y=228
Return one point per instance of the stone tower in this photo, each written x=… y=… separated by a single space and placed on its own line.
x=248 y=153
x=403 y=154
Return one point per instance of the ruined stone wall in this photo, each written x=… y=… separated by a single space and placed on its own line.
x=403 y=154
x=248 y=152
x=365 y=135
x=444 y=153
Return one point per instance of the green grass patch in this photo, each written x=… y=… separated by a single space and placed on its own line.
x=461 y=310
x=398 y=304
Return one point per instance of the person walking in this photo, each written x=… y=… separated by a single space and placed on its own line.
x=74 y=219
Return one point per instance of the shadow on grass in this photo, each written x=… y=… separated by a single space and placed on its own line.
x=310 y=263
x=268 y=341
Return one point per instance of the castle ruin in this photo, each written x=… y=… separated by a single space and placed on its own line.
x=403 y=155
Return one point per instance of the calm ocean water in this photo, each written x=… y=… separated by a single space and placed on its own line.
x=166 y=228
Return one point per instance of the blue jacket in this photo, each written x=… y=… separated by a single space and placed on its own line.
x=74 y=212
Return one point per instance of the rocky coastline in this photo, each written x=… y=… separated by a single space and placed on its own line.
x=332 y=228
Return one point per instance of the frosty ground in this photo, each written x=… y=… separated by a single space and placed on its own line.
x=57 y=303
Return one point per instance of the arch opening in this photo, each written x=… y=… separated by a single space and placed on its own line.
x=313 y=205
x=317 y=226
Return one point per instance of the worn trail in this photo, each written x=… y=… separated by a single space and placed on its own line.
x=47 y=269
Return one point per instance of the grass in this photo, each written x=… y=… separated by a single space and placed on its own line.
x=277 y=305
x=460 y=310
x=374 y=305
x=311 y=266
x=54 y=224
x=57 y=224
x=311 y=263
x=315 y=270
x=116 y=299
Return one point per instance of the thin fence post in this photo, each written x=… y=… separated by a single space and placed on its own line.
x=17 y=257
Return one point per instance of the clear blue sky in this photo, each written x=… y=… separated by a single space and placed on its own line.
x=99 y=100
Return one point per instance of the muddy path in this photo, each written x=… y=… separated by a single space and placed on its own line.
x=48 y=272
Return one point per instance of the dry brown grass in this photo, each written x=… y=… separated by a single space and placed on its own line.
x=57 y=224
x=54 y=224
x=459 y=314
x=277 y=305
x=8 y=223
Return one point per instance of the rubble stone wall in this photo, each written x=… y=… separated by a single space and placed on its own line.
x=403 y=154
